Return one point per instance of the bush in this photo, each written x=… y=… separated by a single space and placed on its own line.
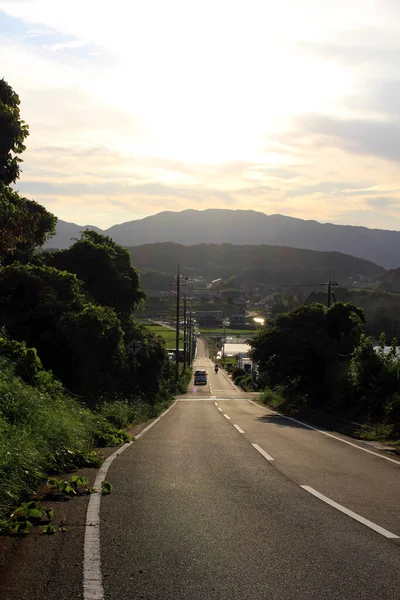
x=272 y=398
x=244 y=382
x=237 y=374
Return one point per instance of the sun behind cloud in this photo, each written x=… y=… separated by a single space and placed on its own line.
x=139 y=107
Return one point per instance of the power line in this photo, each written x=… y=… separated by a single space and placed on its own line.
x=330 y=283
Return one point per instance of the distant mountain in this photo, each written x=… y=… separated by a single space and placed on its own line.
x=66 y=233
x=250 y=227
x=251 y=265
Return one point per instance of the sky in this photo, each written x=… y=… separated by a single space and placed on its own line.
x=136 y=107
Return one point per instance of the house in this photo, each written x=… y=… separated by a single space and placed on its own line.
x=237 y=319
x=206 y=317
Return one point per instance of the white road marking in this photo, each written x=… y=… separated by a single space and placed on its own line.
x=227 y=417
x=92 y=576
x=262 y=452
x=216 y=403
x=220 y=409
x=350 y=513
x=335 y=437
x=240 y=430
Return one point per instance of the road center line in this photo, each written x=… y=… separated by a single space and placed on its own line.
x=240 y=430
x=350 y=513
x=262 y=452
x=220 y=409
x=227 y=417
x=92 y=576
x=335 y=437
x=216 y=403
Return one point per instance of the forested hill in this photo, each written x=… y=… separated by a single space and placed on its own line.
x=219 y=226
x=252 y=265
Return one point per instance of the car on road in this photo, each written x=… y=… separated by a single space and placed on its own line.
x=200 y=377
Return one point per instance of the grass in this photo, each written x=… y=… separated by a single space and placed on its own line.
x=43 y=432
x=168 y=335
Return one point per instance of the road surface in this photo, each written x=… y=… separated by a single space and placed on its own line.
x=223 y=499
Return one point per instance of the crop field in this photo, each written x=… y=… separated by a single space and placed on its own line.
x=168 y=335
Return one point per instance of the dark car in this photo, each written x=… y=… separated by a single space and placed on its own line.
x=200 y=377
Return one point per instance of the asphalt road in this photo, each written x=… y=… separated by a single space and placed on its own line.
x=209 y=504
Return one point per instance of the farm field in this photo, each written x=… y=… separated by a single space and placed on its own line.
x=166 y=333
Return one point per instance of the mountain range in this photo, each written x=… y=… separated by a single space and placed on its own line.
x=246 y=227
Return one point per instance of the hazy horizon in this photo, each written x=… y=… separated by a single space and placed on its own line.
x=137 y=108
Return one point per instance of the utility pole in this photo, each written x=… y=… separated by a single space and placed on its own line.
x=330 y=283
x=184 y=333
x=177 y=325
x=190 y=339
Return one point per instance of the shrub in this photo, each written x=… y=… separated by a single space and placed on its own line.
x=238 y=373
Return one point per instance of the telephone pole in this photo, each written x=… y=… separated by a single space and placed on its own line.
x=330 y=283
x=184 y=333
x=177 y=325
x=189 y=342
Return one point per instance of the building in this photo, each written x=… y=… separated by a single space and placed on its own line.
x=237 y=319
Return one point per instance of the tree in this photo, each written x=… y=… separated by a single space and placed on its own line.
x=299 y=350
x=24 y=224
x=14 y=131
x=82 y=343
x=105 y=269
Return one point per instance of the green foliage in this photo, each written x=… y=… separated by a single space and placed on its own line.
x=379 y=306
x=122 y=414
x=374 y=381
x=106 y=488
x=13 y=134
x=272 y=398
x=24 y=224
x=183 y=381
x=105 y=269
x=82 y=343
x=107 y=435
x=244 y=381
x=69 y=488
x=48 y=529
x=237 y=374
x=300 y=350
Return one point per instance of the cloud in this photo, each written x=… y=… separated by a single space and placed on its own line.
x=357 y=136
x=382 y=202
x=379 y=96
x=65 y=45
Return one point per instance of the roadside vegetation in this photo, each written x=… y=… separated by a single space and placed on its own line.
x=76 y=367
x=320 y=363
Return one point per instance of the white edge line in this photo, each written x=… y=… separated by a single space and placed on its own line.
x=335 y=437
x=262 y=452
x=350 y=513
x=220 y=409
x=227 y=417
x=240 y=430
x=92 y=577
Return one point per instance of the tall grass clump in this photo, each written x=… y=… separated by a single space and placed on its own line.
x=42 y=432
